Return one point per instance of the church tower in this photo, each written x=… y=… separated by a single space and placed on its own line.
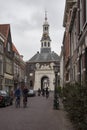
x=40 y=72
x=45 y=40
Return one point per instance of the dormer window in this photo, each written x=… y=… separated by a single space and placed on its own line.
x=9 y=47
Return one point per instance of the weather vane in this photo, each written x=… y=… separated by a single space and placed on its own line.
x=45 y=15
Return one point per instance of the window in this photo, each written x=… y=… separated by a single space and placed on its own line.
x=67 y=76
x=45 y=28
x=44 y=43
x=48 y=44
x=9 y=47
x=16 y=69
x=8 y=66
x=74 y=72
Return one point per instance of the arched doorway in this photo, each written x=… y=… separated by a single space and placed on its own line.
x=44 y=82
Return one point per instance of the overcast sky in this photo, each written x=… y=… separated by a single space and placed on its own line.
x=26 y=18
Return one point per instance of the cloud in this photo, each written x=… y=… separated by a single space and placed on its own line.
x=26 y=18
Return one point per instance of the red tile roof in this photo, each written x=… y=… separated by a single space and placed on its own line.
x=4 y=29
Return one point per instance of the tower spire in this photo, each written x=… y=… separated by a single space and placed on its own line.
x=45 y=40
x=45 y=15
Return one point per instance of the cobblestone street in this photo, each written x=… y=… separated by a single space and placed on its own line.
x=39 y=115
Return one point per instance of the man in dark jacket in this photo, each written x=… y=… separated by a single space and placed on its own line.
x=25 y=95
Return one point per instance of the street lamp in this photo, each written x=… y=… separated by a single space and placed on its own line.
x=56 y=101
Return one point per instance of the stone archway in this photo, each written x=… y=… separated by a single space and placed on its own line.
x=44 y=82
x=40 y=76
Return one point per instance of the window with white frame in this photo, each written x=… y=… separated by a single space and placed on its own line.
x=8 y=66
x=16 y=69
x=9 y=47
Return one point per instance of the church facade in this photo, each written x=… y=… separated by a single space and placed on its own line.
x=39 y=69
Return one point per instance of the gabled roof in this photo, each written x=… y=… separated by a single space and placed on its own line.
x=2 y=38
x=4 y=29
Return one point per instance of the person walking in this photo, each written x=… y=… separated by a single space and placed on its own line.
x=25 y=95
x=39 y=92
x=17 y=95
x=47 y=92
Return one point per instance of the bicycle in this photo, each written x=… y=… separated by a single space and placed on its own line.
x=25 y=101
x=17 y=102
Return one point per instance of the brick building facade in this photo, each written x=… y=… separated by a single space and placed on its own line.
x=75 y=41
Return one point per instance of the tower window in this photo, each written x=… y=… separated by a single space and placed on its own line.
x=44 y=43
x=45 y=28
x=48 y=44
